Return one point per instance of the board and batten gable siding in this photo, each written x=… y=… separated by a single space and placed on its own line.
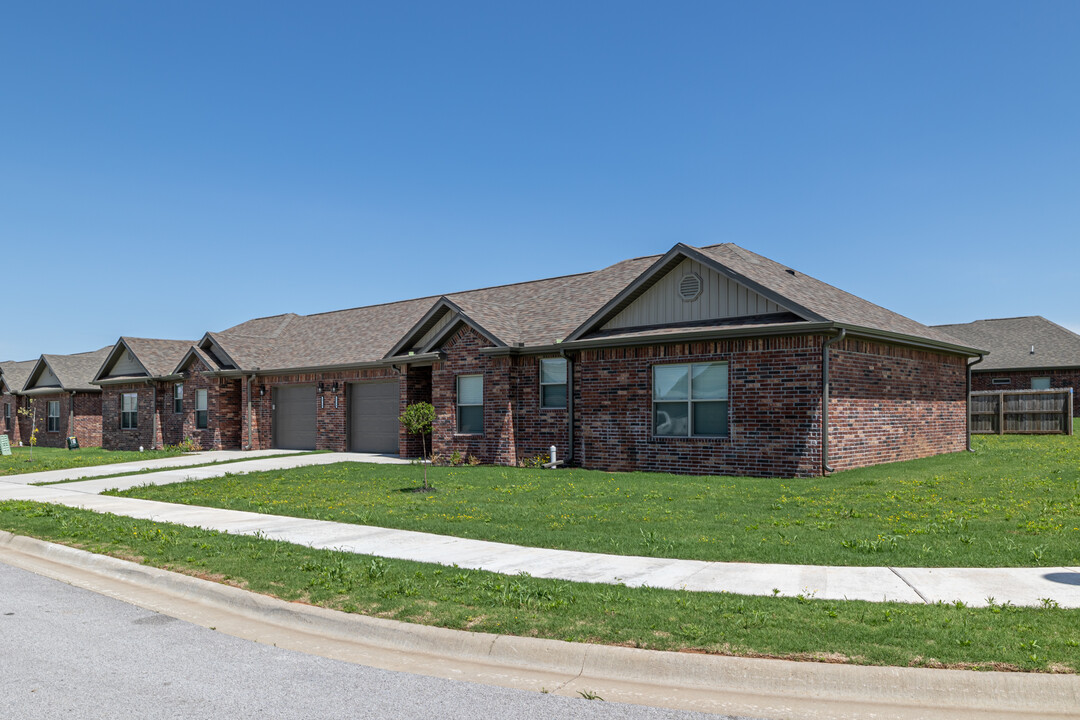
x=47 y=379
x=437 y=328
x=126 y=364
x=720 y=298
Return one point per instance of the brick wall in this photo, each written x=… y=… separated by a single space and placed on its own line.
x=890 y=403
x=773 y=409
x=415 y=386
x=1021 y=380
x=14 y=402
x=87 y=419
x=86 y=426
x=113 y=437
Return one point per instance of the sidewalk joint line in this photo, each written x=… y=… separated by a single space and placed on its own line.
x=913 y=588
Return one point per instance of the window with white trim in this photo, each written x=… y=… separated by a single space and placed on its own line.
x=690 y=400
x=129 y=411
x=52 y=417
x=201 y=415
x=1040 y=383
x=178 y=398
x=470 y=404
x=553 y=383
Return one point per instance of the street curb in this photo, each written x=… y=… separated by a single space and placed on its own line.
x=710 y=683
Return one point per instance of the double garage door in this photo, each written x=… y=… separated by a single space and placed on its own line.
x=372 y=417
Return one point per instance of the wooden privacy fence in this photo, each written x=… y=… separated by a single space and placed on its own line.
x=1035 y=412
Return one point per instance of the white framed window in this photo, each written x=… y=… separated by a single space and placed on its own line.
x=52 y=418
x=178 y=398
x=690 y=400
x=129 y=411
x=201 y=415
x=1040 y=383
x=553 y=386
x=470 y=404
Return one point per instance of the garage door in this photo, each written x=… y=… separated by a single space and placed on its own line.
x=373 y=417
x=294 y=417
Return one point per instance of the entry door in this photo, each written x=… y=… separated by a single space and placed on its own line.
x=294 y=417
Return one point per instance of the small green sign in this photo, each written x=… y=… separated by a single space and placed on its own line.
x=5 y=445
x=73 y=443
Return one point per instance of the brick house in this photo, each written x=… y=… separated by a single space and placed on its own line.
x=147 y=402
x=701 y=360
x=13 y=375
x=1025 y=353
x=66 y=403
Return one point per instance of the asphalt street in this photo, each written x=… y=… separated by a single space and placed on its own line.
x=66 y=652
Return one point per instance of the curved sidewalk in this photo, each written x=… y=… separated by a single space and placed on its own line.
x=972 y=586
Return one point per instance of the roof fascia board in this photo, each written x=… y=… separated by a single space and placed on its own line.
x=213 y=338
x=1043 y=368
x=57 y=390
x=32 y=378
x=655 y=271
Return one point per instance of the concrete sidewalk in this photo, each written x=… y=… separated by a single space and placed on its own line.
x=972 y=586
x=210 y=456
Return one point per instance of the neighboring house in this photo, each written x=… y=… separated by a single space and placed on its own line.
x=13 y=376
x=66 y=403
x=1025 y=353
x=146 y=404
x=701 y=360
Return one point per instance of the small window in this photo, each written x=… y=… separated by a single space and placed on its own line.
x=1001 y=381
x=690 y=400
x=52 y=420
x=129 y=411
x=178 y=398
x=553 y=383
x=201 y=416
x=470 y=404
x=7 y=416
x=1042 y=383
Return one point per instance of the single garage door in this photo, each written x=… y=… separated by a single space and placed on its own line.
x=373 y=417
x=294 y=417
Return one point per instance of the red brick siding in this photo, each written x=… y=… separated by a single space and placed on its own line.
x=1021 y=380
x=415 y=387
x=87 y=420
x=890 y=403
x=773 y=409
x=537 y=428
x=113 y=438
x=14 y=402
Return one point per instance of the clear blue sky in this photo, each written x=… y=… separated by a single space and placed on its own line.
x=172 y=168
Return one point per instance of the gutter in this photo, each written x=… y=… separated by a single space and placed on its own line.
x=383 y=362
x=250 y=417
x=968 y=398
x=825 y=467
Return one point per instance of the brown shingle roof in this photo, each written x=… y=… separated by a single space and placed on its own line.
x=1010 y=340
x=159 y=357
x=15 y=373
x=76 y=371
x=540 y=312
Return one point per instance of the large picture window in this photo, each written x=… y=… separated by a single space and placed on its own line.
x=52 y=418
x=470 y=404
x=129 y=411
x=553 y=383
x=178 y=398
x=690 y=400
x=201 y=417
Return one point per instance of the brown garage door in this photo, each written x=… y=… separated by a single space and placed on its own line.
x=294 y=417
x=373 y=417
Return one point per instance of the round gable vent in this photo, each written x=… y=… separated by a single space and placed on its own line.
x=690 y=287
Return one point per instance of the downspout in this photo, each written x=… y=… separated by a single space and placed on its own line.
x=569 y=407
x=71 y=417
x=825 y=467
x=968 y=423
x=250 y=417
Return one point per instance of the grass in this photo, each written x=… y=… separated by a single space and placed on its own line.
x=19 y=461
x=999 y=637
x=1015 y=502
x=180 y=467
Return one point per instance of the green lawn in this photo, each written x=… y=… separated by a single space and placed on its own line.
x=1015 y=502
x=19 y=461
x=1043 y=639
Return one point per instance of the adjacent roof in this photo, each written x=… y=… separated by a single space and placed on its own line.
x=550 y=311
x=13 y=374
x=156 y=357
x=1019 y=343
x=72 y=372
